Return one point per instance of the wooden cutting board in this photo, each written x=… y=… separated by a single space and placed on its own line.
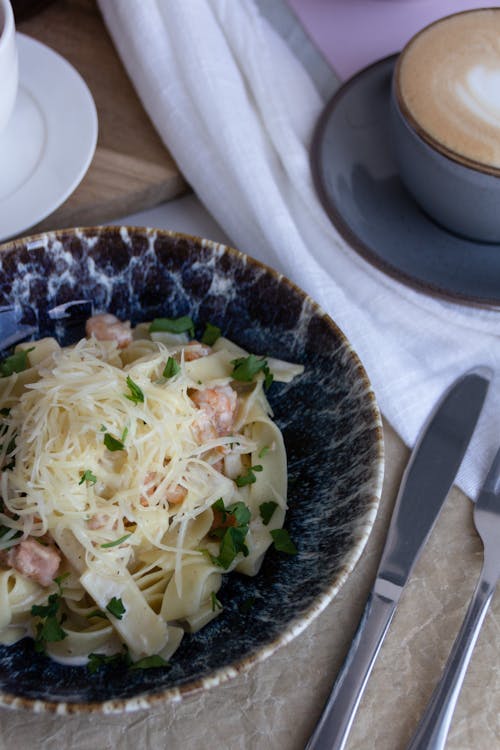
x=131 y=169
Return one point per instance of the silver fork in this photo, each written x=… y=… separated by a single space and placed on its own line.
x=432 y=730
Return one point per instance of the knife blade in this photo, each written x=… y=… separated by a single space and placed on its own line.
x=428 y=477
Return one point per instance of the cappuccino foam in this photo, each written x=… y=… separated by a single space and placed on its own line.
x=449 y=80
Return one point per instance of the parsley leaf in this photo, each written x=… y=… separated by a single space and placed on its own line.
x=59 y=580
x=171 y=368
x=149 y=662
x=266 y=511
x=116 y=542
x=47 y=610
x=15 y=363
x=240 y=512
x=265 y=449
x=246 y=368
x=210 y=335
x=112 y=443
x=49 y=628
x=282 y=541
x=249 y=477
x=96 y=661
x=136 y=395
x=236 y=514
x=232 y=543
x=116 y=608
x=216 y=604
x=231 y=527
x=173 y=325
x=87 y=476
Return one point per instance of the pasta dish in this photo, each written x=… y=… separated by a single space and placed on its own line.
x=138 y=466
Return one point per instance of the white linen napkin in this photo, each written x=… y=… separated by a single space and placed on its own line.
x=236 y=109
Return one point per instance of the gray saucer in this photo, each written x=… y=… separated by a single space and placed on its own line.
x=358 y=182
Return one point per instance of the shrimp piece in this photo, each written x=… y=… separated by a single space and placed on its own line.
x=107 y=327
x=99 y=521
x=195 y=350
x=218 y=408
x=174 y=494
x=35 y=561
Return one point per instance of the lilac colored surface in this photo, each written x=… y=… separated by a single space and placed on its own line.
x=354 y=33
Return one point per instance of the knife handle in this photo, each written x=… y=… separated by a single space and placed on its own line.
x=340 y=708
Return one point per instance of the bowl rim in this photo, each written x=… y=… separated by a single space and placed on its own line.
x=298 y=623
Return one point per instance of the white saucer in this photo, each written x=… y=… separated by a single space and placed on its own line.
x=50 y=140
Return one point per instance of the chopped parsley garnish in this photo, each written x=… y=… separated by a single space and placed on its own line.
x=96 y=661
x=263 y=451
x=149 y=662
x=266 y=511
x=210 y=334
x=236 y=514
x=116 y=542
x=171 y=368
x=231 y=527
x=136 y=395
x=116 y=608
x=282 y=541
x=15 y=363
x=124 y=434
x=246 y=368
x=112 y=443
x=59 y=580
x=49 y=629
x=249 y=477
x=87 y=476
x=184 y=324
x=215 y=602
x=232 y=543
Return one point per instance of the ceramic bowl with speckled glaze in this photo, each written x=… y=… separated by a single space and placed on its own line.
x=329 y=419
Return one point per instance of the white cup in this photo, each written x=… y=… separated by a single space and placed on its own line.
x=9 y=74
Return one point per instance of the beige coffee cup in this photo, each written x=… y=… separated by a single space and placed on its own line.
x=9 y=74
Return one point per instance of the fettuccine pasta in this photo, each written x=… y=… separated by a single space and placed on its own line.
x=138 y=467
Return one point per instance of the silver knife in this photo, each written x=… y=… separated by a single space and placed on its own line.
x=433 y=465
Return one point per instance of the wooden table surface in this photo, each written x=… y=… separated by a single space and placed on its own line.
x=131 y=169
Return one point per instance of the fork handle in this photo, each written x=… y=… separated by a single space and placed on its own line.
x=432 y=730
